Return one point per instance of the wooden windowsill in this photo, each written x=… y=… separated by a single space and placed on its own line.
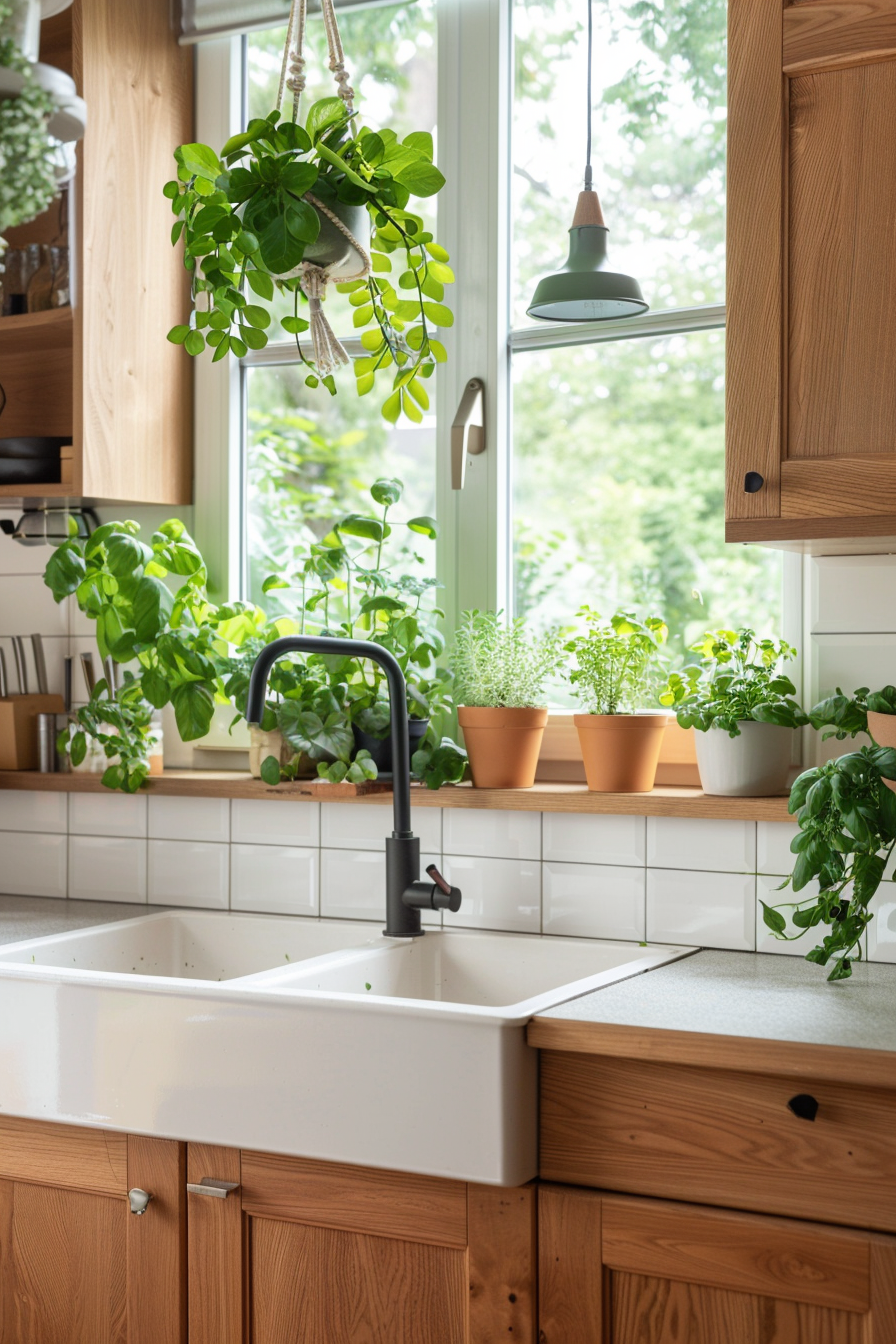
x=665 y=801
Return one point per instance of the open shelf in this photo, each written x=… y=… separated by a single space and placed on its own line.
x=662 y=802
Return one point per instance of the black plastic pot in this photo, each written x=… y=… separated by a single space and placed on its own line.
x=380 y=748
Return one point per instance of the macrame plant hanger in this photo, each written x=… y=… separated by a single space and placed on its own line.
x=329 y=353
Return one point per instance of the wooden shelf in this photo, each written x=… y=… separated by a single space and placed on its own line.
x=662 y=802
x=25 y=323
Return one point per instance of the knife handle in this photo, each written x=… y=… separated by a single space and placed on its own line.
x=4 y=684
x=89 y=674
x=18 y=649
x=40 y=664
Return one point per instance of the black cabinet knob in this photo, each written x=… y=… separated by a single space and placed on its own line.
x=803 y=1105
x=753 y=482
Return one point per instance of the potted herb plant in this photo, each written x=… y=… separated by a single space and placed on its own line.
x=28 y=181
x=501 y=673
x=846 y=838
x=615 y=676
x=286 y=208
x=742 y=705
x=871 y=712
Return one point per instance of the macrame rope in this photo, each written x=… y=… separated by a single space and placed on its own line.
x=329 y=352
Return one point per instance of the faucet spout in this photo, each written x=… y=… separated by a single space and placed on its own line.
x=398 y=705
x=406 y=896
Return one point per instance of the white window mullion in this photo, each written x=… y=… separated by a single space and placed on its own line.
x=218 y=417
x=474 y=110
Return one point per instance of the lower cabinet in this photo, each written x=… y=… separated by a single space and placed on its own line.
x=302 y=1252
x=619 y=1270
x=76 y=1267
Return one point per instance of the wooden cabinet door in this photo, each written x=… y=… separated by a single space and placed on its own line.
x=76 y=1266
x=318 y=1253
x=615 y=1270
x=811 y=397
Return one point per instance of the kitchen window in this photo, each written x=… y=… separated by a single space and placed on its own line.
x=603 y=477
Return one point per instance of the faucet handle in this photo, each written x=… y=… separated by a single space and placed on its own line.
x=447 y=897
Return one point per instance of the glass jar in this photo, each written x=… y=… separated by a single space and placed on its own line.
x=40 y=286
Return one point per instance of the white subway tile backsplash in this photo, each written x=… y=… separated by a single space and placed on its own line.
x=852 y=594
x=22 y=810
x=701 y=844
x=189 y=819
x=496 y=835
x=576 y=837
x=274 y=879
x=882 y=929
x=586 y=900
x=106 y=868
x=33 y=865
x=353 y=884
x=503 y=894
x=366 y=825
x=255 y=821
x=108 y=813
x=28 y=606
x=189 y=872
x=849 y=661
x=773 y=853
x=708 y=909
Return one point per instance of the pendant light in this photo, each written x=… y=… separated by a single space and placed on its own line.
x=583 y=290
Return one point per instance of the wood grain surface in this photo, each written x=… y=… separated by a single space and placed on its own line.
x=502 y=1268
x=157 y=1243
x=718 y=1137
x=780 y=1059
x=317 y=1285
x=216 y=1250
x=355 y=1199
x=860 y=485
x=755 y=266
x=570 y=1270
x=829 y=36
x=64 y=1155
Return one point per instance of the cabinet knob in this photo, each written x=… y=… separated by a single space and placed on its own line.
x=753 y=482
x=217 y=1189
x=804 y=1106
x=138 y=1200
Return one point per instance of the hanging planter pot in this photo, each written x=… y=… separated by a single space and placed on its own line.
x=755 y=764
x=333 y=251
x=620 y=751
x=22 y=28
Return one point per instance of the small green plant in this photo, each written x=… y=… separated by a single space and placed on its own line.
x=617 y=661
x=737 y=680
x=846 y=837
x=846 y=716
x=498 y=665
x=27 y=176
x=249 y=216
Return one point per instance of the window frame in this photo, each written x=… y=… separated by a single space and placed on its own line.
x=474 y=560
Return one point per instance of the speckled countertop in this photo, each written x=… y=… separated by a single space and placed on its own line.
x=750 y=994
x=24 y=917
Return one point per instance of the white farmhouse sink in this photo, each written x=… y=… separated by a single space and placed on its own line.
x=403 y=1055
x=188 y=945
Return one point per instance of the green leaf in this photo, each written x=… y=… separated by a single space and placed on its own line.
x=270 y=770
x=256 y=316
x=194 y=705
x=437 y=253
x=387 y=490
x=320 y=739
x=273 y=581
x=113 y=777
x=194 y=343
x=78 y=748
x=382 y=604
x=324 y=114
x=65 y=571
x=427 y=527
x=125 y=554
x=362 y=316
x=294 y=325
x=153 y=604
x=297 y=178
x=392 y=404
x=421 y=179
x=420 y=140
x=199 y=161
x=356 y=525
x=773 y=919
x=177 y=335
x=155 y=687
x=280 y=250
x=302 y=220
x=439 y=313
x=261 y=284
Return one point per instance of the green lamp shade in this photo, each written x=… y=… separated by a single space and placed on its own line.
x=583 y=290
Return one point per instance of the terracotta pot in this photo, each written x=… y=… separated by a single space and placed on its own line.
x=620 y=751
x=755 y=764
x=503 y=745
x=882 y=730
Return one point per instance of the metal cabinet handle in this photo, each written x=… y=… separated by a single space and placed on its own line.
x=138 y=1200
x=218 y=1189
x=467 y=430
x=803 y=1105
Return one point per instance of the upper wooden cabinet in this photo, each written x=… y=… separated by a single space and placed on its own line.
x=811 y=391
x=102 y=371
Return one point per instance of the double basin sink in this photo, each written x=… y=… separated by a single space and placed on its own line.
x=318 y=1038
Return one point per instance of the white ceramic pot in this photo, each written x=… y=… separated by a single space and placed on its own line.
x=753 y=765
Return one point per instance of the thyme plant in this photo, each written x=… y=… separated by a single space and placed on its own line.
x=506 y=666
x=617 y=661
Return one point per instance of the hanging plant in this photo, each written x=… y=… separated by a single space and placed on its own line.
x=27 y=175
x=293 y=208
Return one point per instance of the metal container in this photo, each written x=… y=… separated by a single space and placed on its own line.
x=46 y=743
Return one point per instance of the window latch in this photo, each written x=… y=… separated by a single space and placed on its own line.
x=467 y=430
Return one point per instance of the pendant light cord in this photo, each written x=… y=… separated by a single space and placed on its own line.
x=590 y=47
